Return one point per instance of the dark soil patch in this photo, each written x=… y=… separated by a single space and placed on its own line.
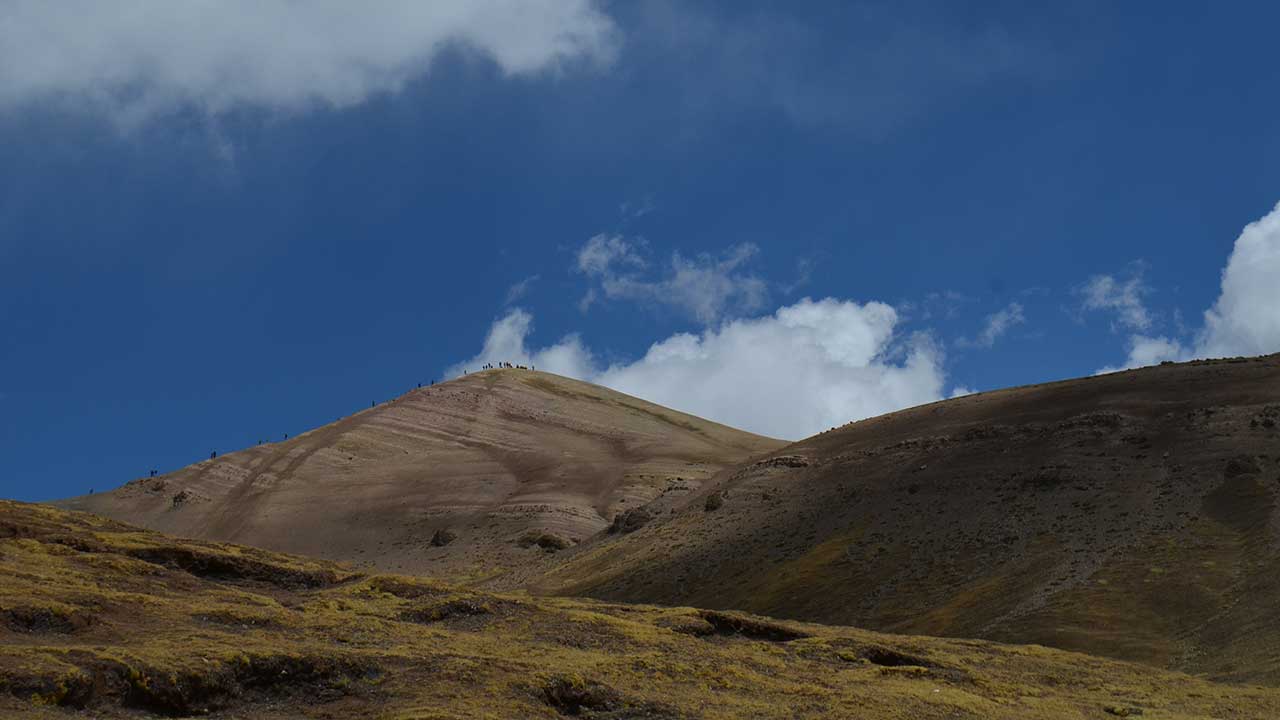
x=213 y=566
x=187 y=691
x=1241 y=465
x=436 y=612
x=575 y=697
x=888 y=657
x=752 y=628
x=45 y=620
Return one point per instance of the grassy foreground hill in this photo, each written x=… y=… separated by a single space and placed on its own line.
x=101 y=619
x=1132 y=515
x=470 y=479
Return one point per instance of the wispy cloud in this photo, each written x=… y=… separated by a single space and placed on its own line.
x=708 y=288
x=995 y=326
x=1122 y=297
x=887 y=67
x=520 y=289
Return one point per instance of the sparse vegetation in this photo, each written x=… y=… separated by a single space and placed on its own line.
x=185 y=628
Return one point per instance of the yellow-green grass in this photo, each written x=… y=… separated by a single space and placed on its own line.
x=101 y=619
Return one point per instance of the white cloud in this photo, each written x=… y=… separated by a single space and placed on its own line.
x=997 y=324
x=1144 y=351
x=705 y=287
x=808 y=367
x=1104 y=292
x=506 y=343
x=136 y=58
x=1245 y=319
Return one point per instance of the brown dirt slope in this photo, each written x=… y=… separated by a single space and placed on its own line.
x=507 y=463
x=1131 y=515
x=100 y=619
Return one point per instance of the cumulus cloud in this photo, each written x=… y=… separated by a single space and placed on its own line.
x=136 y=58
x=997 y=324
x=1245 y=319
x=705 y=287
x=809 y=366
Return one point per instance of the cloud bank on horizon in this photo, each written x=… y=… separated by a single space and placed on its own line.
x=1245 y=319
x=134 y=59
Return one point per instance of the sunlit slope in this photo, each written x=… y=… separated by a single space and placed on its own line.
x=98 y=619
x=1130 y=515
x=496 y=461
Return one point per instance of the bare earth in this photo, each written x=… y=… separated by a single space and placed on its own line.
x=492 y=457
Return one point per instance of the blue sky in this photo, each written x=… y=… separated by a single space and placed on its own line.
x=223 y=225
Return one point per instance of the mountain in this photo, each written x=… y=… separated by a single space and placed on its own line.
x=1131 y=515
x=470 y=479
x=101 y=619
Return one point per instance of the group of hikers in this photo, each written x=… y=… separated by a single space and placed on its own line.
x=506 y=365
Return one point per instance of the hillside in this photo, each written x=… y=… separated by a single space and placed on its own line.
x=99 y=619
x=470 y=479
x=1130 y=515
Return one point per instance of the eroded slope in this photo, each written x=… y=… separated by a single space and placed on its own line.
x=502 y=464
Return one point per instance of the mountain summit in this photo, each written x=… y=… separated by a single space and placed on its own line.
x=470 y=478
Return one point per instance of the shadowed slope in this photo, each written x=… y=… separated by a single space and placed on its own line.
x=486 y=460
x=99 y=619
x=1130 y=515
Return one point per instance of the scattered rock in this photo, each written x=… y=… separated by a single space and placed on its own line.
x=548 y=541
x=443 y=537
x=791 y=461
x=630 y=521
x=573 y=695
